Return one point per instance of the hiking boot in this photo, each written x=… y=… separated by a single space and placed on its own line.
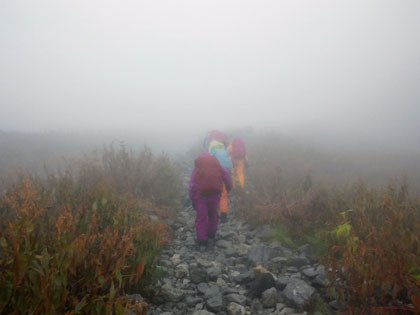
x=223 y=217
x=212 y=240
x=202 y=245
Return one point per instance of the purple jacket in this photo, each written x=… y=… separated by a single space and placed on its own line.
x=193 y=184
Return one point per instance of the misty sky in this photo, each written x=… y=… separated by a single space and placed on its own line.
x=339 y=67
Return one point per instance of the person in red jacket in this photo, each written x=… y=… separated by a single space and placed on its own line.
x=206 y=185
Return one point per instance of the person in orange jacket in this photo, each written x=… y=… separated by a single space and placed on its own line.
x=237 y=152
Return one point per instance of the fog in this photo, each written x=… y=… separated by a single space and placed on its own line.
x=336 y=71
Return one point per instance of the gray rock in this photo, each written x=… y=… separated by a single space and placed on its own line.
x=226 y=233
x=240 y=238
x=172 y=294
x=296 y=275
x=287 y=310
x=256 y=306
x=298 y=291
x=310 y=272
x=212 y=291
x=202 y=312
x=280 y=306
x=236 y=298
x=243 y=249
x=269 y=298
x=202 y=287
x=204 y=263
x=192 y=300
x=292 y=269
x=166 y=313
x=320 y=280
x=215 y=303
x=213 y=299
x=298 y=261
x=243 y=278
x=197 y=274
x=182 y=271
x=176 y=259
x=279 y=260
x=214 y=272
x=220 y=282
x=282 y=282
x=260 y=254
x=231 y=251
x=223 y=244
x=235 y=309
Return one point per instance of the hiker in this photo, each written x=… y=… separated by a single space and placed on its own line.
x=224 y=159
x=237 y=153
x=206 y=186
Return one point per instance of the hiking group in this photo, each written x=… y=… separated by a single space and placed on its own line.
x=215 y=173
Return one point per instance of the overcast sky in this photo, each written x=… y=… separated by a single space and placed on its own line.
x=335 y=67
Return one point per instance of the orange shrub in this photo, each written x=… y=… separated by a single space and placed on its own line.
x=64 y=249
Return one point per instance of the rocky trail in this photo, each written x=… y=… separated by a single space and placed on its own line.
x=223 y=280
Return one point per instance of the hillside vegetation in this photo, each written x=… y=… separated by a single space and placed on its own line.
x=368 y=235
x=76 y=241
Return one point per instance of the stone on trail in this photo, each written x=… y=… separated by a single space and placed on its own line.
x=202 y=312
x=224 y=244
x=213 y=299
x=235 y=309
x=243 y=278
x=192 y=300
x=310 y=272
x=202 y=287
x=181 y=271
x=269 y=298
x=243 y=249
x=282 y=282
x=256 y=306
x=171 y=293
x=287 y=311
x=215 y=302
x=298 y=292
x=214 y=272
x=176 y=259
x=197 y=274
x=321 y=279
x=298 y=261
x=236 y=298
x=260 y=254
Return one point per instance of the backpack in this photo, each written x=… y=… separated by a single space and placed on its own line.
x=214 y=144
x=223 y=157
x=218 y=135
x=238 y=149
x=208 y=175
